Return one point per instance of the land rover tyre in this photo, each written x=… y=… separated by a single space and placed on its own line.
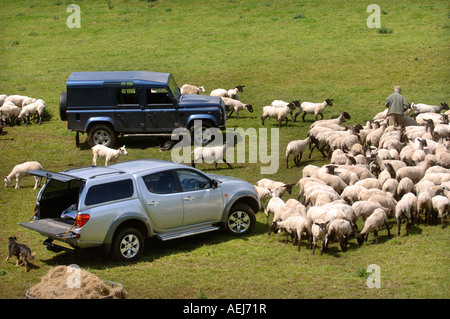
x=63 y=106
x=200 y=135
x=241 y=220
x=128 y=244
x=102 y=134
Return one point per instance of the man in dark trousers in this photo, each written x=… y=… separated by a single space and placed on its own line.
x=397 y=106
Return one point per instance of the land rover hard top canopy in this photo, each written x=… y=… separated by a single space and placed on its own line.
x=81 y=79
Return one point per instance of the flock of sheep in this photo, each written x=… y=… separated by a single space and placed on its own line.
x=15 y=108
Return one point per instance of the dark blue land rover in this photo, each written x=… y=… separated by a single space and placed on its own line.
x=106 y=104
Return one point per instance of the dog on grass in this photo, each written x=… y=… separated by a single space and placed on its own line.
x=21 y=251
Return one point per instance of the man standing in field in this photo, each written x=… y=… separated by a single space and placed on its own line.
x=397 y=106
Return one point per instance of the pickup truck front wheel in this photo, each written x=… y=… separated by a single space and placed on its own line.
x=128 y=244
x=241 y=220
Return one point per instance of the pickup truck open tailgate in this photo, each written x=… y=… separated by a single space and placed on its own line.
x=53 y=228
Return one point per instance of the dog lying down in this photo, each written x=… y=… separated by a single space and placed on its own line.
x=21 y=251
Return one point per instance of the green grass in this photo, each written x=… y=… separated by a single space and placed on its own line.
x=288 y=50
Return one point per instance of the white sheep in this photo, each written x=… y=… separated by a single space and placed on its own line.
x=341 y=230
x=426 y=108
x=295 y=204
x=9 y=112
x=416 y=173
x=441 y=207
x=191 y=89
x=34 y=109
x=231 y=93
x=313 y=108
x=20 y=100
x=280 y=212
x=296 y=148
x=424 y=204
x=109 y=154
x=292 y=105
x=294 y=226
x=19 y=171
x=214 y=154
x=264 y=195
x=278 y=113
x=236 y=106
x=2 y=98
x=403 y=211
x=364 y=209
x=331 y=122
x=327 y=175
x=319 y=232
x=279 y=188
x=372 y=225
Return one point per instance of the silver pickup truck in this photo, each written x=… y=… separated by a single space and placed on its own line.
x=118 y=206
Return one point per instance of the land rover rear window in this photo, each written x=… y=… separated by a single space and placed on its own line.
x=78 y=97
x=109 y=191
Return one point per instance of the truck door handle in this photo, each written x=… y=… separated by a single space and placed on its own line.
x=189 y=198
x=153 y=203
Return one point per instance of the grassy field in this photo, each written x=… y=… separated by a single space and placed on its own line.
x=308 y=50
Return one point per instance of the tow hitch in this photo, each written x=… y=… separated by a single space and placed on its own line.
x=56 y=248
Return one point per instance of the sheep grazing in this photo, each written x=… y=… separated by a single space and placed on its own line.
x=278 y=113
x=236 y=106
x=319 y=233
x=403 y=210
x=191 y=89
x=231 y=93
x=34 y=109
x=441 y=207
x=294 y=226
x=313 y=108
x=9 y=113
x=109 y=154
x=278 y=188
x=292 y=105
x=296 y=148
x=264 y=195
x=19 y=171
x=214 y=154
x=20 y=100
x=372 y=225
x=341 y=230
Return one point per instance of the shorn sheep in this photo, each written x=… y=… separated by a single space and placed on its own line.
x=191 y=89
x=278 y=113
x=34 y=109
x=341 y=230
x=313 y=108
x=292 y=106
x=109 y=154
x=232 y=93
x=319 y=233
x=236 y=106
x=19 y=171
x=372 y=225
x=296 y=148
x=20 y=100
x=294 y=226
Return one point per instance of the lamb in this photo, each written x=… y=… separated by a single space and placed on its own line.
x=191 y=89
x=109 y=154
x=19 y=171
x=20 y=100
x=280 y=212
x=209 y=154
x=313 y=108
x=278 y=113
x=319 y=232
x=236 y=106
x=232 y=93
x=292 y=105
x=296 y=148
x=33 y=109
x=340 y=229
x=372 y=225
x=294 y=226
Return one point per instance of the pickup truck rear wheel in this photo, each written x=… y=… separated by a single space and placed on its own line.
x=102 y=134
x=241 y=220
x=128 y=244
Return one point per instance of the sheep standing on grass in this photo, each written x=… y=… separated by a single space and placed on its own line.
x=313 y=108
x=319 y=233
x=236 y=106
x=34 y=109
x=372 y=225
x=191 y=89
x=210 y=154
x=441 y=207
x=278 y=113
x=292 y=106
x=296 y=148
x=232 y=93
x=9 y=113
x=341 y=230
x=20 y=100
x=109 y=154
x=19 y=171
x=294 y=226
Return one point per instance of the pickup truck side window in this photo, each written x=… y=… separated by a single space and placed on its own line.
x=191 y=181
x=161 y=183
x=127 y=97
x=108 y=192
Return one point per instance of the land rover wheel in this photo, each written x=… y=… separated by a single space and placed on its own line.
x=102 y=134
x=128 y=244
x=200 y=134
x=63 y=106
x=241 y=220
